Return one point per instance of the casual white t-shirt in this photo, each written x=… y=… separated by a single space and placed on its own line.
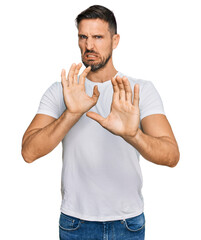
x=101 y=175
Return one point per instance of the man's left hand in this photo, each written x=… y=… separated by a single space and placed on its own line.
x=124 y=117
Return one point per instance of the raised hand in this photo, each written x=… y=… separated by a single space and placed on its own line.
x=75 y=97
x=124 y=117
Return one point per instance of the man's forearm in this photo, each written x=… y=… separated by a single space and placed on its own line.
x=159 y=150
x=40 y=142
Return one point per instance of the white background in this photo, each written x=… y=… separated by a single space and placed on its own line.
x=160 y=42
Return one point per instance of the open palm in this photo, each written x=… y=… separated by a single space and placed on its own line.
x=124 y=117
x=75 y=97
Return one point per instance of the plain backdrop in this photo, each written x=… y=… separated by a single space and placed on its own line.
x=160 y=42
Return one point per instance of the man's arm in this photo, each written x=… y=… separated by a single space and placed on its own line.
x=156 y=142
x=45 y=132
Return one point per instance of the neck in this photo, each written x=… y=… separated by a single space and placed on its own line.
x=104 y=74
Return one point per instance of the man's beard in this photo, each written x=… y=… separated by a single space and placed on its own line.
x=95 y=67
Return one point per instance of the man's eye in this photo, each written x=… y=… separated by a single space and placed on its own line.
x=83 y=37
x=98 y=37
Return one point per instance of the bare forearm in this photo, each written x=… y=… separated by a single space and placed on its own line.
x=42 y=141
x=159 y=150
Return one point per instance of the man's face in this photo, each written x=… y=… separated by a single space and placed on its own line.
x=95 y=42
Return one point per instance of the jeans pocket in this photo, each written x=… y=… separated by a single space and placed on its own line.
x=68 y=223
x=135 y=224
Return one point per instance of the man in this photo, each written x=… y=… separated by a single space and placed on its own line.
x=101 y=176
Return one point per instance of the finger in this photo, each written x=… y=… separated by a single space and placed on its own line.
x=115 y=89
x=121 y=88
x=63 y=78
x=128 y=90
x=84 y=74
x=77 y=69
x=96 y=117
x=71 y=74
x=96 y=94
x=136 y=95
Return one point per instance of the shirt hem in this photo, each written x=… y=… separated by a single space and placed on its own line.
x=100 y=219
x=47 y=113
x=148 y=113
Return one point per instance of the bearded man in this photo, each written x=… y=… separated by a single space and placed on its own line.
x=105 y=120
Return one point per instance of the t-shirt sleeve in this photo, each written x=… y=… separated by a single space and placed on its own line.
x=50 y=102
x=150 y=101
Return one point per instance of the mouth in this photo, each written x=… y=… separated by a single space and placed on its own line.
x=90 y=56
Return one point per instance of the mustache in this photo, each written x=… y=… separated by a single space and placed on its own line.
x=90 y=51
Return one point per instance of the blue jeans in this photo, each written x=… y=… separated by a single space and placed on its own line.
x=71 y=228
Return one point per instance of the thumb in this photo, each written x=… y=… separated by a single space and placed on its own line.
x=96 y=117
x=96 y=93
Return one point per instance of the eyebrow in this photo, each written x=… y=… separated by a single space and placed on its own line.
x=94 y=35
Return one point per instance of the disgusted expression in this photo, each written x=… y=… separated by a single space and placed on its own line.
x=95 y=42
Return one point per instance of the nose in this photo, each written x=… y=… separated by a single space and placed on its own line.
x=89 y=44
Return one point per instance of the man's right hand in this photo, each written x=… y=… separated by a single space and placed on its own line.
x=45 y=132
x=75 y=97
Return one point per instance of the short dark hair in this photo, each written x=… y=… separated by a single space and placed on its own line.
x=98 y=11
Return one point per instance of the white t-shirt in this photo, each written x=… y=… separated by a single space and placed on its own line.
x=101 y=175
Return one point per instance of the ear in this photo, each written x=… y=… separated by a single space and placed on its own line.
x=115 y=40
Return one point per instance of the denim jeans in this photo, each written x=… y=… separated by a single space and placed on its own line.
x=71 y=228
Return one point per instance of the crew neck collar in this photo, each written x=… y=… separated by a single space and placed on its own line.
x=102 y=83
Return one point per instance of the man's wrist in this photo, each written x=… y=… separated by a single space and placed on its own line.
x=134 y=137
x=71 y=115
